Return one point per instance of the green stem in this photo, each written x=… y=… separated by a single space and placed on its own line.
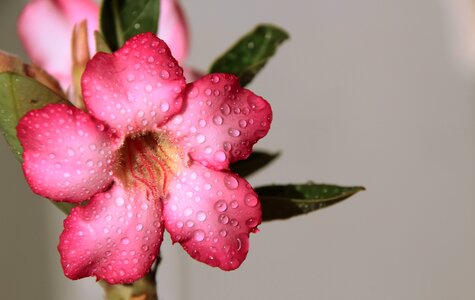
x=142 y=289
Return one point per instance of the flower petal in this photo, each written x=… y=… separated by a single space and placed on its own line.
x=57 y=19
x=211 y=214
x=136 y=88
x=116 y=237
x=67 y=154
x=173 y=29
x=221 y=121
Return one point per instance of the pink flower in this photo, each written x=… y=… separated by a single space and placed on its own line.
x=150 y=153
x=49 y=45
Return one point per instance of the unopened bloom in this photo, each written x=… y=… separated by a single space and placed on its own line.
x=45 y=28
x=151 y=152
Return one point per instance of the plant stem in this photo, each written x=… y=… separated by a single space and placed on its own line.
x=142 y=289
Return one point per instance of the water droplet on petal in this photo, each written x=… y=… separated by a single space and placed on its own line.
x=201 y=216
x=220 y=156
x=164 y=106
x=119 y=201
x=218 y=120
x=251 y=200
x=199 y=235
x=234 y=132
x=225 y=109
x=139 y=227
x=256 y=103
x=221 y=206
x=164 y=74
x=125 y=241
x=200 y=138
x=231 y=182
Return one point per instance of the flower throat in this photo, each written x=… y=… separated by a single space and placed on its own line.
x=147 y=159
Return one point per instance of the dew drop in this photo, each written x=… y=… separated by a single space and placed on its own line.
x=218 y=120
x=139 y=227
x=251 y=200
x=220 y=156
x=188 y=211
x=125 y=241
x=119 y=201
x=89 y=163
x=214 y=78
x=199 y=235
x=221 y=206
x=251 y=223
x=243 y=123
x=148 y=88
x=231 y=182
x=201 y=216
x=256 y=103
x=200 y=138
x=223 y=219
x=164 y=74
x=234 y=132
x=193 y=92
x=70 y=152
x=225 y=109
x=164 y=106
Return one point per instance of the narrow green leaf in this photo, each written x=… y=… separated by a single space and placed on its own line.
x=18 y=95
x=122 y=19
x=256 y=161
x=250 y=53
x=286 y=201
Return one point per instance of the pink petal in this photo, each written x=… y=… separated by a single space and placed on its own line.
x=45 y=24
x=116 y=237
x=172 y=28
x=211 y=214
x=136 y=88
x=221 y=121
x=67 y=154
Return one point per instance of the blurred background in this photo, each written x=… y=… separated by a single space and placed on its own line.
x=370 y=92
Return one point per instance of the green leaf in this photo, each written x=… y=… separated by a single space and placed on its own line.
x=250 y=53
x=18 y=95
x=286 y=201
x=253 y=163
x=122 y=19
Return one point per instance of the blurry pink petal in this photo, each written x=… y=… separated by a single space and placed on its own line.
x=45 y=27
x=211 y=214
x=136 y=88
x=221 y=121
x=67 y=154
x=172 y=28
x=116 y=237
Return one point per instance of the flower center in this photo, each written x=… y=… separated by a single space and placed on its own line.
x=148 y=160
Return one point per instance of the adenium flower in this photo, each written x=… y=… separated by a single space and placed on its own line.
x=150 y=153
x=57 y=19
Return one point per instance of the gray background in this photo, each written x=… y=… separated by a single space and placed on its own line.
x=365 y=92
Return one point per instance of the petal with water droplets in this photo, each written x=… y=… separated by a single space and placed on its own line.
x=221 y=121
x=67 y=154
x=115 y=237
x=136 y=88
x=211 y=213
